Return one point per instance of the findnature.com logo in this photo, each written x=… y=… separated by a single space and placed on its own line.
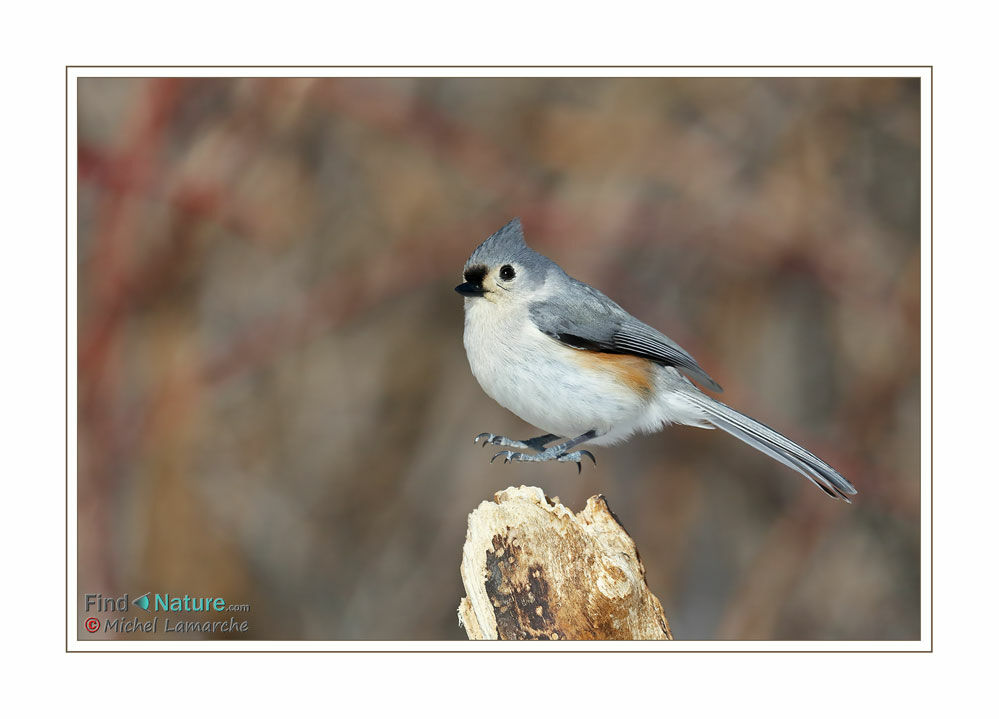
x=150 y=603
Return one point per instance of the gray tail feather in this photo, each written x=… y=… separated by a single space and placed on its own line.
x=776 y=445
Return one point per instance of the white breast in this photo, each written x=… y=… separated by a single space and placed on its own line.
x=542 y=381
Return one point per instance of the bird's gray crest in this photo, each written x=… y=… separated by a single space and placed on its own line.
x=505 y=245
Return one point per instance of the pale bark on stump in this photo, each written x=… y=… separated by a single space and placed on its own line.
x=534 y=570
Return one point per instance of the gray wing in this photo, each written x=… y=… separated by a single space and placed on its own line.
x=585 y=318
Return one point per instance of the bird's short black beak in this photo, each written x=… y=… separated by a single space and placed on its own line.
x=470 y=289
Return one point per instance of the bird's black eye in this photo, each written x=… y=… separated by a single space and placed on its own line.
x=507 y=273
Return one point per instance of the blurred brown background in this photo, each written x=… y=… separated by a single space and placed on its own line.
x=274 y=401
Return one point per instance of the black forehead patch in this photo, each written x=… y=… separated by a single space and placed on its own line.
x=475 y=274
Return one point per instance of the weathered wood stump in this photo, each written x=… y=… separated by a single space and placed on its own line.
x=534 y=570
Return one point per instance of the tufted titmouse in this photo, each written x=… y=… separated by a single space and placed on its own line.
x=567 y=359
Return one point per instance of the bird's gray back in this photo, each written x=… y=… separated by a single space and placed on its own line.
x=582 y=316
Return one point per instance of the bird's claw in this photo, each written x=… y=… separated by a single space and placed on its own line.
x=507 y=455
x=577 y=457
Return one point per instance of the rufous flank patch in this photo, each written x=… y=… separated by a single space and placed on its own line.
x=635 y=373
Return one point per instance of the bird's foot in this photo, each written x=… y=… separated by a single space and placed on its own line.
x=547 y=456
x=559 y=452
x=535 y=443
